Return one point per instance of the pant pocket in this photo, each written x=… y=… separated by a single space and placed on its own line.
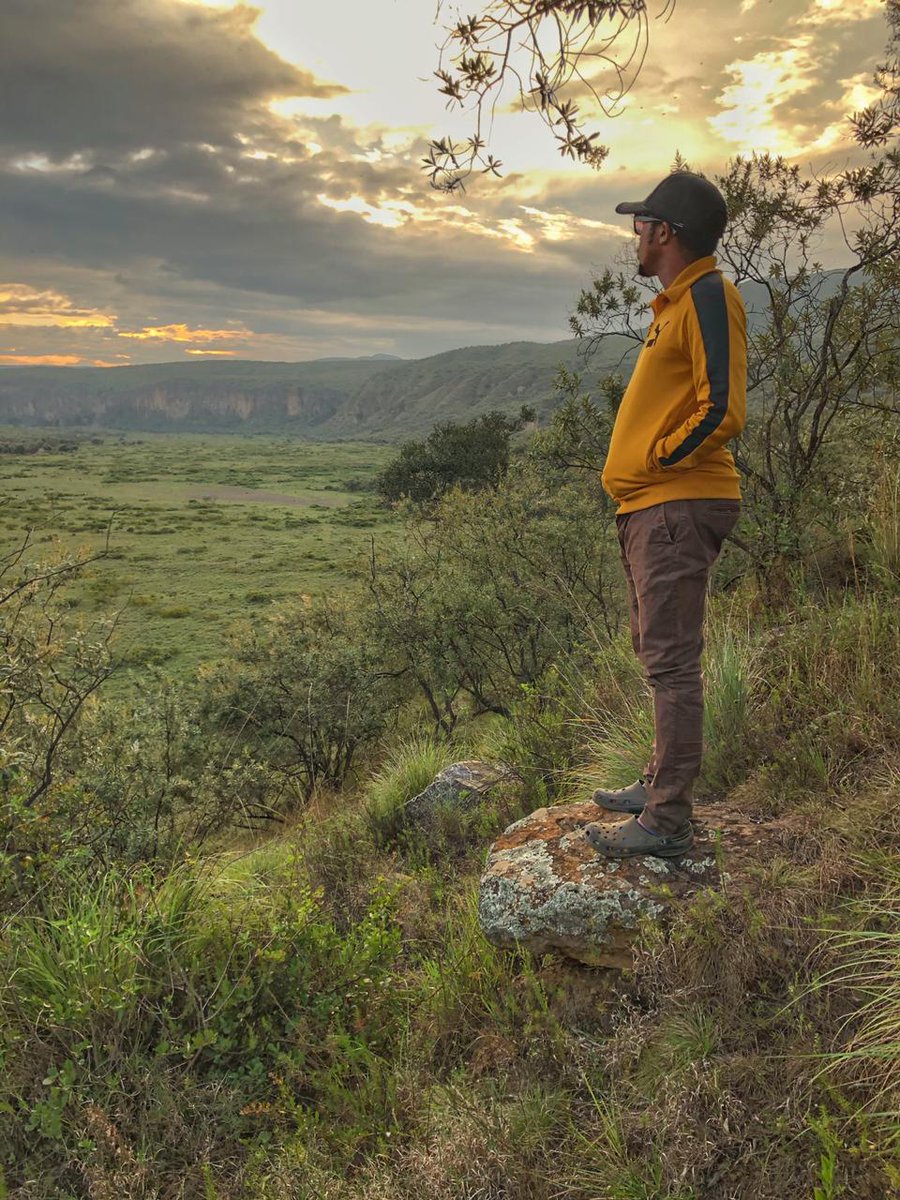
x=662 y=524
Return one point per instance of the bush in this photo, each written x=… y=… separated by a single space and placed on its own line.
x=305 y=695
x=471 y=456
x=238 y=983
x=489 y=592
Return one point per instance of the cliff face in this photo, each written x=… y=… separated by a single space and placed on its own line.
x=325 y=398
x=203 y=397
x=172 y=408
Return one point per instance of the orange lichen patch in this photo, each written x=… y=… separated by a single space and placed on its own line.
x=546 y=889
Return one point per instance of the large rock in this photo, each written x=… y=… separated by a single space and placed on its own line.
x=459 y=787
x=546 y=889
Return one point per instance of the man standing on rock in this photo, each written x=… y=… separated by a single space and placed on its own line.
x=678 y=494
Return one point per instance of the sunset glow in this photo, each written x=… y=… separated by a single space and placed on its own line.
x=257 y=190
x=182 y=333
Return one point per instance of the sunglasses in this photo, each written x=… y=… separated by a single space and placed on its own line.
x=638 y=223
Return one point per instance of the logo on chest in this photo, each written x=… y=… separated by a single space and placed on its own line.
x=653 y=335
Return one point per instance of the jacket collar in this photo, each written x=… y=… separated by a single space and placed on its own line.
x=689 y=276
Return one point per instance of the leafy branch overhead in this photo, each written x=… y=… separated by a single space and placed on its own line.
x=557 y=52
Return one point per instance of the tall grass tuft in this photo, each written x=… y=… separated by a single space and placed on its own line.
x=411 y=767
x=621 y=725
x=81 y=974
x=884 y=522
x=730 y=677
x=868 y=972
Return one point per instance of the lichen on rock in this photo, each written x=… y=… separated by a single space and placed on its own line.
x=545 y=888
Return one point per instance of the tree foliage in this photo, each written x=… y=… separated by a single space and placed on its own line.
x=488 y=591
x=556 y=51
x=823 y=345
x=472 y=455
x=304 y=695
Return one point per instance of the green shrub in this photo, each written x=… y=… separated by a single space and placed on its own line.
x=540 y=739
x=305 y=694
x=236 y=981
x=826 y=697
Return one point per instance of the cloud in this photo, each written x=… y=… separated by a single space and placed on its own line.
x=795 y=84
x=830 y=12
x=81 y=76
x=182 y=333
x=43 y=360
x=759 y=86
x=23 y=306
x=168 y=183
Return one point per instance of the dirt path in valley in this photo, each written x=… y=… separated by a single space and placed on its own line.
x=244 y=495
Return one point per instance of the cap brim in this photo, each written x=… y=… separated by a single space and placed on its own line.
x=636 y=208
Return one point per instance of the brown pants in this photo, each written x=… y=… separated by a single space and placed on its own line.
x=667 y=552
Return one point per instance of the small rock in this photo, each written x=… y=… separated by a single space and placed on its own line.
x=461 y=786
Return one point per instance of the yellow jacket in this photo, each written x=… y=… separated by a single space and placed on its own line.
x=686 y=398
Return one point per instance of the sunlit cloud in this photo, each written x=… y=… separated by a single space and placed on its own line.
x=391 y=213
x=42 y=360
x=22 y=305
x=858 y=94
x=822 y=12
x=748 y=118
x=213 y=353
x=565 y=226
x=521 y=233
x=183 y=333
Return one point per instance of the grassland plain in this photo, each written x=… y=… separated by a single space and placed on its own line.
x=202 y=529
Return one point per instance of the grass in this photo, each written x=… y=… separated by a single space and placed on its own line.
x=884 y=522
x=316 y=1013
x=190 y=546
x=409 y=769
x=862 y=972
x=619 y=726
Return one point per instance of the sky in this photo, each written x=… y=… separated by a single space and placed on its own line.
x=184 y=180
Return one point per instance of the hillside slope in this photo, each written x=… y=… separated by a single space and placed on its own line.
x=333 y=398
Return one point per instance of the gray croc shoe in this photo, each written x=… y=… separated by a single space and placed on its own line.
x=629 y=799
x=629 y=840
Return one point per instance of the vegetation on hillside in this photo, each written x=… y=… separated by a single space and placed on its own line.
x=311 y=1011
x=232 y=966
x=323 y=399
x=471 y=455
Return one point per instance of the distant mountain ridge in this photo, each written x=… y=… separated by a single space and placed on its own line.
x=379 y=397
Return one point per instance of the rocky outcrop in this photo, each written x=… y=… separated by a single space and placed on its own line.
x=461 y=787
x=546 y=889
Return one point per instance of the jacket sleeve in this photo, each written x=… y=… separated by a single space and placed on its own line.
x=716 y=341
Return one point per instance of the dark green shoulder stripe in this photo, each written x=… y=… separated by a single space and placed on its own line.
x=708 y=294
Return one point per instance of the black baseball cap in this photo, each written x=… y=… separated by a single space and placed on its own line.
x=686 y=201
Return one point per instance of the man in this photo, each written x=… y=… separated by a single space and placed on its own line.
x=678 y=495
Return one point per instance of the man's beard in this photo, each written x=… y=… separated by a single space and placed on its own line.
x=643 y=268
